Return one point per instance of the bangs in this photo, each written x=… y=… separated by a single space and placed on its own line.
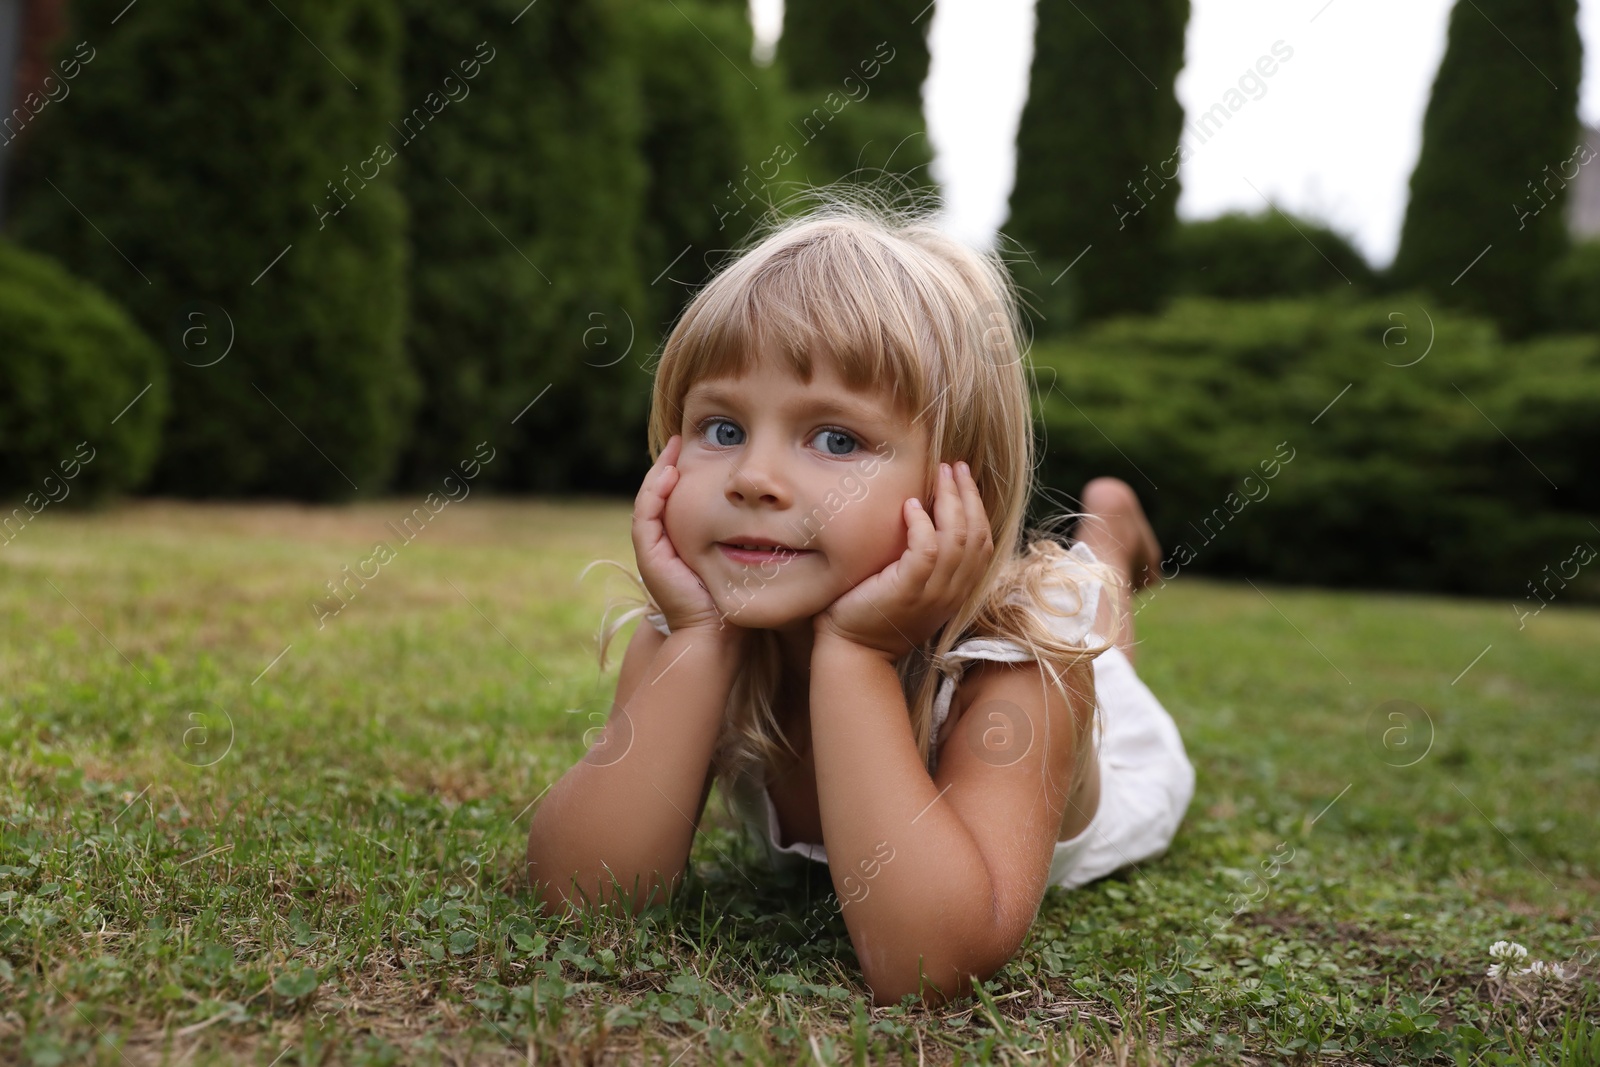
x=830 y=296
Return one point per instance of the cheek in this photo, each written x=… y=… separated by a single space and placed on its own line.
x=679 y=516
x=697 y=496
x=670 y=520
x=875 y=531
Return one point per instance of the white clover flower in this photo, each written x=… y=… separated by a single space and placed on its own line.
x=1508 y=951
x=1495 y=969
x=1541 y=969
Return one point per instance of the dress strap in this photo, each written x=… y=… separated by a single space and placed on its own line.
x=1074 y=600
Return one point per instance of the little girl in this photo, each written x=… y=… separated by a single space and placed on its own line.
x=848 y=626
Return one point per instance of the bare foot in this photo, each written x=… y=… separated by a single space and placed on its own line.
x=1117 y=530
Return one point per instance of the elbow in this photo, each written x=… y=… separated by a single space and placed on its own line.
x=560 y=887
x=553 y=896
x=939 y=968
x=581 y=894
x=934 y=978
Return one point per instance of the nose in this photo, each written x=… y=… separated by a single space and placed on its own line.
x=758 y=477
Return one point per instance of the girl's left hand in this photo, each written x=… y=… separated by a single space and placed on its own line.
x=900 y=607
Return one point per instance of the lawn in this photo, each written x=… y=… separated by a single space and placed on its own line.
x=237 y=827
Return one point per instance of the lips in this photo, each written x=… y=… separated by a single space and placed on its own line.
x=755 y=543
x=760 y=550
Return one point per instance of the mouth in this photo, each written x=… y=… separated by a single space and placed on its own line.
x=757 y=552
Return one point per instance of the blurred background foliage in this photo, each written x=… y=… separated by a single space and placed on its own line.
x=330 y=272
x=199 y=162
x=1398 y=482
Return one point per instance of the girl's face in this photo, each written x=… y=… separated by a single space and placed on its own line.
x=820 y=470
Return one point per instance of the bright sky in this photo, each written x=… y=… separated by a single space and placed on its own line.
x=1333 y=134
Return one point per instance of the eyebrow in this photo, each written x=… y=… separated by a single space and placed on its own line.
x=852 y=409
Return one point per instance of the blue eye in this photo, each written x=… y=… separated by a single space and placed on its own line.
x=725 y=434
x=835 y=435
x=716 y=438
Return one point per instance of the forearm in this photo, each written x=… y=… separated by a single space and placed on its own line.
x=934 y=898
x=629 y=808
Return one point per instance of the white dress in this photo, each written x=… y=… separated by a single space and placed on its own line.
x=1146 y=779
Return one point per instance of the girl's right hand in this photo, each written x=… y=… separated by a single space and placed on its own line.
x=677 y=590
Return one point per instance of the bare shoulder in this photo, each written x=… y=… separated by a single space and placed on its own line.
x=1006 y=768
x=993 y=683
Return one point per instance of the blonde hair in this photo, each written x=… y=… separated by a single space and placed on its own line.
x=886 y=297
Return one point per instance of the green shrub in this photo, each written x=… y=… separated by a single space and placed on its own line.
x=204 y=156
x=1392 y=470
x=73 y=364
x=1251 y=257
x=524 y=194
x=1571 y=293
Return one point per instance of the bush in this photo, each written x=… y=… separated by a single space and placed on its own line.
x=524 y=194
x=74 y=362
x=1251 y=257
x=1381 y=432
x=1571 y=293
x=220 y=157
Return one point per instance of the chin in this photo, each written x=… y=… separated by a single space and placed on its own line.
x=752 y=619
x=753 y=616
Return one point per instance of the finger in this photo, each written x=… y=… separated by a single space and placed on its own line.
x=648 y=529
x=662 y=458
x=952 y=523
x=972 y=556
x=651 y=504
x=668 y=459
x=922 y=545
x=668 y=476
x=666 y=482
x=644 y=502
x=653 y=477
x=980 y=539
x=652 y=494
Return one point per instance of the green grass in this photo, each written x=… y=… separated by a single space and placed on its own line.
x=206 y=858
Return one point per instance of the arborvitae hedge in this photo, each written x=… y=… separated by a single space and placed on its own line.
x=712 y=119
x=1269 y=254
x=1499 y=144
x=856 y=74
x=82 y=391
x=1096 y=154
x=213 y=145
x=1336 y=442
x=1571 y=292
x=524 y=193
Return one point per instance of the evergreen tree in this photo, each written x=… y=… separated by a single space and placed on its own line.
x=856 y=72
x=711 y=121
x=525 y=194
x=1097 y=155
x=216 y=171
x=1499 y=147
